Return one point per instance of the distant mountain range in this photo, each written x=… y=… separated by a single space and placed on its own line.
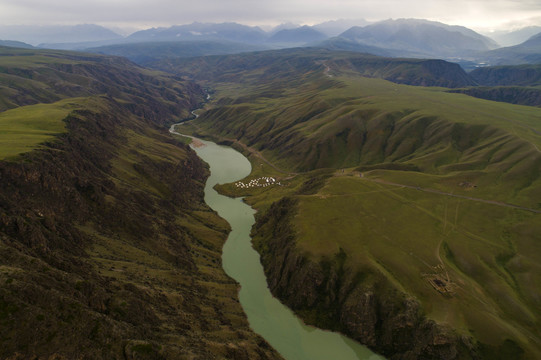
x=529 y=52
x=15 y=44
x=202 y=31
x=299 y=36
x=515 y=37
x=413 y=38
x=336 y=27
x=420 y=38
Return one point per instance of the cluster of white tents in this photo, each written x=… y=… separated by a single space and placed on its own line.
x=259 y=182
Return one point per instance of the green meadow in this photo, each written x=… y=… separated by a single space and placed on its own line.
x=487 y=253
x=385 y=161
x=24 y=128
x=354 y=121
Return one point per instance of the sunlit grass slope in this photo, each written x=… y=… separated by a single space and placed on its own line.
x=446 y=138
x=25 y=128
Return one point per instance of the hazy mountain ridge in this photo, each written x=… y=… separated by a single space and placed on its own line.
x=515 y=37
x=36 y=35
x=414 y=38
x=427 y=38
x=148 y=52
x=529 y=52
x=342 y=44
x=336 y=27
x=398 y=38
x=403 y=37
x=202 y=31
x=298 y=36
x=16 y=44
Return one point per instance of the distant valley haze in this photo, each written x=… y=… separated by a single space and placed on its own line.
x=465 y=32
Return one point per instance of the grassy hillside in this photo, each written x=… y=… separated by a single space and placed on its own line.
x=146 y=52
x=520 y=95
x=24 y=128
x=108 y=250
x=407 y=217
x=30 y=77
x=288 y=63
x=347 y=122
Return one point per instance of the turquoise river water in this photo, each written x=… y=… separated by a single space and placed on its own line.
x=266 y=315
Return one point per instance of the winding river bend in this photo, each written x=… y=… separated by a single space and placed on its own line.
x=267 y=316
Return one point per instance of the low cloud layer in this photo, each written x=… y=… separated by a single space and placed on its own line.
x=144 y=13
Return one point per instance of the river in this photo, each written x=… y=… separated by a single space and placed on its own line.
x=266 y=315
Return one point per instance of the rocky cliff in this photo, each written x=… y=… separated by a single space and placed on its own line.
x=530 y=96
x=361 y=305
x=519 y=75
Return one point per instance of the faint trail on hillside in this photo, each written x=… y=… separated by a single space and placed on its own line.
x=438 y=248
x=492 y=202
x=327 y=70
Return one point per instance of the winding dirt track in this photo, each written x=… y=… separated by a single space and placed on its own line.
x=492 y=202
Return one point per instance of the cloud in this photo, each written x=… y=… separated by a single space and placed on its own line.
x=170 y=12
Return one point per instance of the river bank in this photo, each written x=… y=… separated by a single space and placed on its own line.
x=266 y=315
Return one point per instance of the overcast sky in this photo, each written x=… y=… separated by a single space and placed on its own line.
x=477 y=14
